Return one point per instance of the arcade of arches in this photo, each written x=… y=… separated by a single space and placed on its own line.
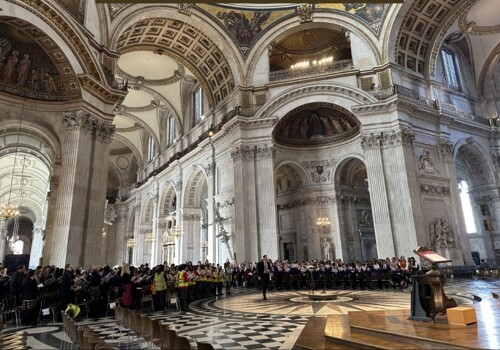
x=177 y=132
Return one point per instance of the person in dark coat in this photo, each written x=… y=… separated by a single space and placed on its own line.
x=16 y=282
x=264 y=267
x=66 y=293
x=30 y=298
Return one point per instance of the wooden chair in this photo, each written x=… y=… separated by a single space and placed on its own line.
x=182 y=343
x=204 y=346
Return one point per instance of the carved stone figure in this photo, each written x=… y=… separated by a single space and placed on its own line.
x=363 y=218
x=441 y=235
x=327 y=248
x=426 y=162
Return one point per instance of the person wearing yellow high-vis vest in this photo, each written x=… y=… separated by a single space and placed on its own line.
x=182 y=285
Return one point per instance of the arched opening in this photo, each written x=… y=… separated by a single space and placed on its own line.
x=354 y=211
x=475 y=180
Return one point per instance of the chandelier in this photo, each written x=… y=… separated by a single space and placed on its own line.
x=175 y=231
x=8 y=211
x=131 y=243
x=323 y=222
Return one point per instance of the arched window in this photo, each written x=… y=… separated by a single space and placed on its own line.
x=171 y=131
x=198 y=104
x=151 y=148
x=470 y=225
x=450 y=69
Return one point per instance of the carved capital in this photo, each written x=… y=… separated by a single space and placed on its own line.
x=305 y=12
x=398 y=137
x=185 y=8
x=210 y=167
x=79 y=120
x=264 y=152
x=371 y=141
x=104 y=133
x=243 y=153
x=178 y=185
x=446 y=146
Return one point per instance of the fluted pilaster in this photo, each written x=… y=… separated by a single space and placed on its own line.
x=378 y=195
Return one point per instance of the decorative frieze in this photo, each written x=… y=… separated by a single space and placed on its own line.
x=305 y=12
x=243 y=153
x=435 y=190
x=309 y=201
x=264 y=152
x=191 y=217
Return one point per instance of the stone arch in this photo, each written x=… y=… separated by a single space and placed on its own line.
x=197 y=180
x=480 y=167
x=337 y=19
x=416 y=39
x=290 y=174
x=147 y=210
x=135 y=151
x=187 y=45
x=167 y=196
x=337 y=94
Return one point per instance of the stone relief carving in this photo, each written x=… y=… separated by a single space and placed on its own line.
x=495 y=155
x=435 y=190
x=320 y=169
x=445 y=146
x=440 y=234
x=54 y=182
x=110 y=214
x=185 y=8
x=305 y=12
x=302 y=202
x=426 y=162
x=225 y=204
x=365 y=217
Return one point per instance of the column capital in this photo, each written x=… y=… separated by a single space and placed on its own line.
x=243 y=153
x=446 y=146
x=371 y=141
x=264 y=152
x=398 y=137
x=82 y=120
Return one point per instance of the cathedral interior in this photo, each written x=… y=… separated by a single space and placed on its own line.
x=145 y=133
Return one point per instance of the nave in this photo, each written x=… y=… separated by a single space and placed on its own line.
x=245 y=321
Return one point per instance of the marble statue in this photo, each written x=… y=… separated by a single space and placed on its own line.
x=327 y=247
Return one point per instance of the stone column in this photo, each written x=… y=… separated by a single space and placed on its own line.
x=137 y=234
x=378 y=195
x=179 y=242
x=266 y=201
x=120 y=240
x=246 y=239
x=211 y=211
x=97 y=196
x=191 y=228
x=36 y=247
x=154 y=230
x=2 y=238
x=69 y=222
x=51 y=211
x=403 y=190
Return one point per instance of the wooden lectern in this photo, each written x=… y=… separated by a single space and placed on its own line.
x=427 y=295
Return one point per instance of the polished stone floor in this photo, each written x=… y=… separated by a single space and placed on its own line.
x=244 y=320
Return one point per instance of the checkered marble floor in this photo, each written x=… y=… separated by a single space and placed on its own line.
x=244 y=321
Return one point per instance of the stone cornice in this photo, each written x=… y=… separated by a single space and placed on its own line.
x=103 y=93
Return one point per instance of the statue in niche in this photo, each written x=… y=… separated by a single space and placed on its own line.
x=327 y=248
x=426 y=163
x=363 y=218
x=441 y=235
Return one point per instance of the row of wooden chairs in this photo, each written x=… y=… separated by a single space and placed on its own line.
x=154 y=332
x=82 y=337
x=12 y=341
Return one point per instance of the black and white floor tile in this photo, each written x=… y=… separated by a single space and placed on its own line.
x=245 y=321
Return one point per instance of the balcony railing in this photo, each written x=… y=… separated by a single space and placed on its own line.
x=286 y=74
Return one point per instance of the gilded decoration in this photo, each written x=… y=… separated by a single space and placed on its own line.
x=76 y=8
x=25 y=67
x=370 y=14
x=314 y=124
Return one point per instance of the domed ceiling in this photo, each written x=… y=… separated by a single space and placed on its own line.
x=315 y=124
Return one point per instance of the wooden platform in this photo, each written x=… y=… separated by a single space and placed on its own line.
x=393 y=330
